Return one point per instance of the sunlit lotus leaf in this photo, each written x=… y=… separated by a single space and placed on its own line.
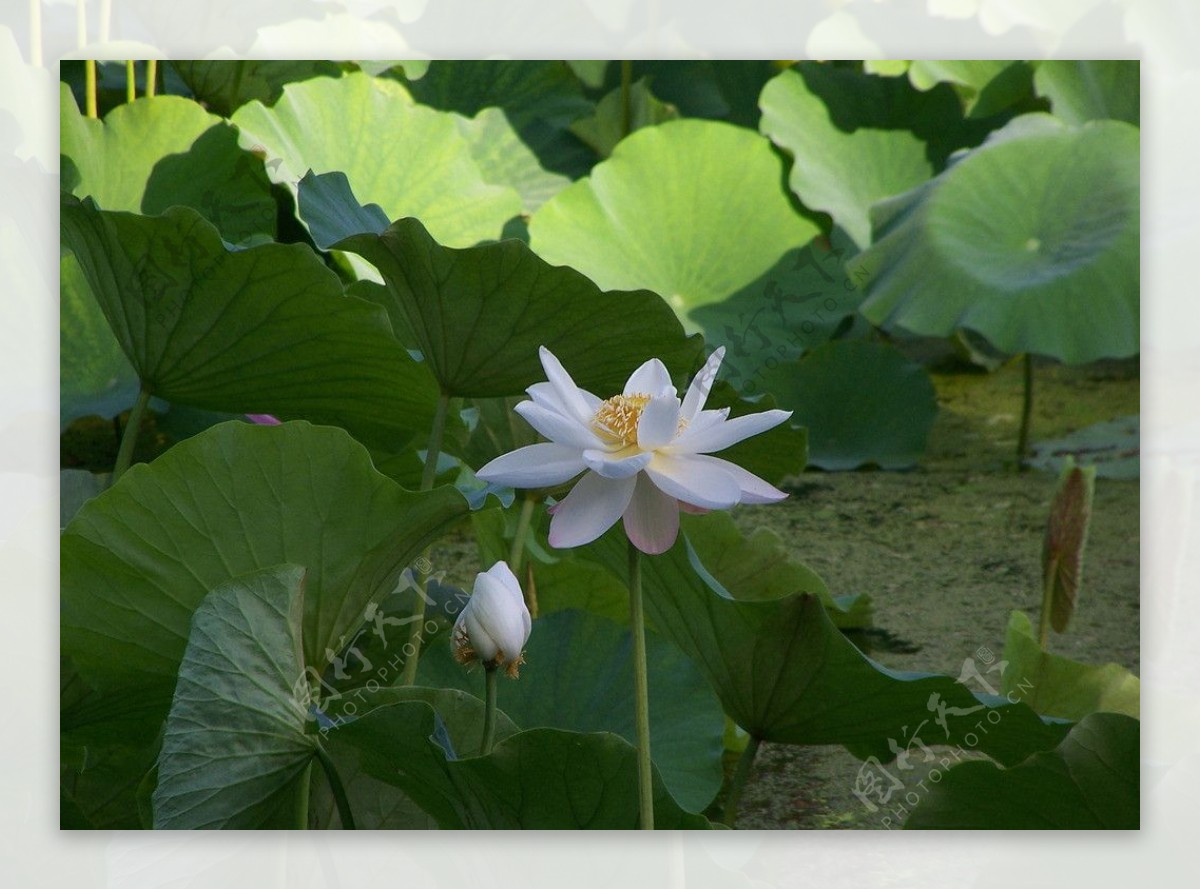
x=409 y=159
x=670 y=212
x=155 y=153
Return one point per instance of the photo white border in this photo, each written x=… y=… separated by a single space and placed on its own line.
x=1163 y=33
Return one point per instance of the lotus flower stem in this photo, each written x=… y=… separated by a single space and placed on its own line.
x=338 y=789
x=489 y=711
x=428 y=475
x=89 y=74
x=435 y=442
x=518 y=544
x=151 y=76
x=1026 y=412
x=130 y=81
x=740 y=776
x=641 y=692
x=129 y=435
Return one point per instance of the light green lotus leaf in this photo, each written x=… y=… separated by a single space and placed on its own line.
x=690 y=209
x=409 y=159
x=155 y=153
x=1031 y=241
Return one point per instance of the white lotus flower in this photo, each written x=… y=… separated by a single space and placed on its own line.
x=646 y=454
x=494 y=625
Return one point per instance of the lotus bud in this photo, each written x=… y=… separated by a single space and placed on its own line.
x=494 y=625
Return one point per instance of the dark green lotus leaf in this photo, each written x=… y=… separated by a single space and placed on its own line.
x=99 y=787
x=159 y=152
x=802 y=301
x=140 y=557
x=409 y=159
x=784 y=672
x=95 y=377
x=1091 y=89
x=1090 y=781
x=537 y=779
x=725 y=90
x=226 y=85
x=578 y=675
x=525 y=90
x=540 y=99
x=670 y=212
x=377 y=804
x=479 y=314
x=266 y=330
x=862 y=402
x=989 y=86
x=1060 y=687
x=1031 y=240
x=760 y=567
x=604 y=129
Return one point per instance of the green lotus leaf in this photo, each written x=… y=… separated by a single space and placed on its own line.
x=671 y=213
x=239 y=744
x=1091 y=780
x=784 y=672
x=140 y=557
x=1060 y=687
x=409 y=159
x=159 y=152
x=235 y=752
x=760 y=568
x=857 y=138
x=540 y=99
x=1096 y=89
x=378 y=804
x=861 y=402
x=536 y=779
x=226 y=85
x=805 y=299
x=479 y=314
x=604 y=129
x=842 y=173
x=504 y=159
x=95 y=377
x=578 y=675
x=266 y=330
x=989 y=86
x=725 y=90
x=1031 y=241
